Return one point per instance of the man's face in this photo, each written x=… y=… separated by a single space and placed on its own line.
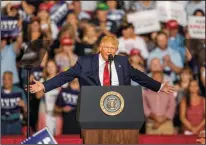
x=128 y=33
x=102 y=15
x=155 y=65
x=7 y=81
x=106 y=49
x=162 y=41
x=173 y=32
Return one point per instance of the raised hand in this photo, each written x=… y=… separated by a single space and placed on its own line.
x=167 y=88
x=38 y=86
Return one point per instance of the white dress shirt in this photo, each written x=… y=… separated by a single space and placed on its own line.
x=115 y=80
x=102 y=63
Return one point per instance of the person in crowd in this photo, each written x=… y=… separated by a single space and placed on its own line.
x=34 y=30
x=11 y=123
x=170 y=58
x=46 y=116
x=137 y=62
x=201 y=137
x=89 y=40
x=156 y=68
x=67 y=30
x=192 y=110
x=193 y=5
x=47 y=25
x=197 y=49
x=103 y=24
x=114 y=13
x=73 y=20
x=9 y=53
x=181 y=88
x=65 y=57
x=176 y=40
x=66 y=105
x=199 y=13
x=159 y=108
x=202 y=70
x=150 y=42
x=183 y=84
x=137 y=6
x=76 y=7
x=130 y=40
x=11 y=10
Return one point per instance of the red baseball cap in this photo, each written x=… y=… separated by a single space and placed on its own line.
x=44 y=7
x=66 y=41
x=172 y=24
x=134 y=51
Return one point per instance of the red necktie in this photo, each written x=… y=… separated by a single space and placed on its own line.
x=106 y=76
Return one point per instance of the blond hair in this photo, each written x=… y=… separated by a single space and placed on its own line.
x=111 y=39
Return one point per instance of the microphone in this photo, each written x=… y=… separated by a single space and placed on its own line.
x=110 y=58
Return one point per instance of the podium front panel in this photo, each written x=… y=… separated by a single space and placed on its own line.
x=91 y=116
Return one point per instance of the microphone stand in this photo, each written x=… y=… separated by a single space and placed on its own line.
x=110 y=67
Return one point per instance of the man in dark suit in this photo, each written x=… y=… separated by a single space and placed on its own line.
x=94 y=71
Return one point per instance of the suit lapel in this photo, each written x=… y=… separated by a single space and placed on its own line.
x=95 y=68
x=119 y=71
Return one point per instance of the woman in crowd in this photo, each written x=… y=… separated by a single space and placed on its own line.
x=115 y=14
x=66 y=106
x=73 y=20
x=47 y=117
x=34 y=30
x=192 y=110
x=47 y=25
x=89 y=40
x=65 y=58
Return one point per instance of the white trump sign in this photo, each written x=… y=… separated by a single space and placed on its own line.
x=196 y=27
x=145 y=21
x=170 y=10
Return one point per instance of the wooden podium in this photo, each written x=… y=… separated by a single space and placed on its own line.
x=108 y=136
x=99 y=127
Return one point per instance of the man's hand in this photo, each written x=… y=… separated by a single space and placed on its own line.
x=156 y=125
x=38 y=86
x=167 y=88
x=166 y=59
x=21 y=103
x=67 y=109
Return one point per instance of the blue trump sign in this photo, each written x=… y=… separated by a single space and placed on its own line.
x=41 y=137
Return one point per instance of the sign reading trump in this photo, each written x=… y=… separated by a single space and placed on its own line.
x=41 y=137
x=9 y=103
x=9 y=26
x=196 y=27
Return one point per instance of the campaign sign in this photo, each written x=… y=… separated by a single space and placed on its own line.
x=67 y=97
x=145 y=21
x=196 y=27
x=9 y=27
x=171 y=10
x=9 y=103
x=59 y=12
x=41 y=137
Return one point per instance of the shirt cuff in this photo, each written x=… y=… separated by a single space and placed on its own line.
x=160 y=88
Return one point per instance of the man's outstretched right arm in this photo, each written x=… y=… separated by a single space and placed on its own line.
x=58 y=80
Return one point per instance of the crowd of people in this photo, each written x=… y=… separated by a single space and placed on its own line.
x=170 y=54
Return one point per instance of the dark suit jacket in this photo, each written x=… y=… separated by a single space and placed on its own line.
x=87 y=71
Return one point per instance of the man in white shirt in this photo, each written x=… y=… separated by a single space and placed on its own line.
x=129 y=40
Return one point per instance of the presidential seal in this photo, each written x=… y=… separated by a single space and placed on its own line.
x=112 y=103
